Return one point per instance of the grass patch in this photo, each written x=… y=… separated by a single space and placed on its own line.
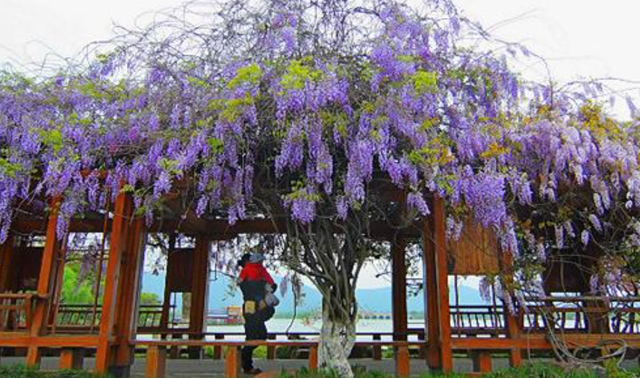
x=536 y=370
x=539 y=370
x=21 y=371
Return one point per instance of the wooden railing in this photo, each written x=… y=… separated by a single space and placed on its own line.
x=82 y=317
x=474 y=320
x=568 y=314
x=16 y=311
x=582 y=315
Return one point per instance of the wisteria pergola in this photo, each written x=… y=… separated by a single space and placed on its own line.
x=337 y=126
x=34 y=319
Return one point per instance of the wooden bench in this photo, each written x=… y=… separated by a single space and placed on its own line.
x=183 y=334
x=157 y=352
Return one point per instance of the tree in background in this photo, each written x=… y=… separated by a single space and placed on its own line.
x=76 y=290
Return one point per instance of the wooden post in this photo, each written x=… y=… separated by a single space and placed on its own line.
x=481 y=361
x=313 y=357
x=513 y=333
x=271 y=349
x=199 y=294
x=71 y=358
x=399 y=289
x=403 y=364
x=232 y=362
x=377 y=349
x=7 y=252
x=217 y=350
x=57 y=289
x=128 y=296
x=156 y=361
x=511 y=322
x=430 y=290
x=422 y=351
x=166 y=302
x=442 y=271
x=7 y=268
x=436 y=283
x=46 y=282
x=118 y=244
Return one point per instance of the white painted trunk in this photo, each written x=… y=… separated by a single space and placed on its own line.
x=336 y=342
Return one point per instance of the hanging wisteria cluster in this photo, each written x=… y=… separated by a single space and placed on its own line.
x=312 y=101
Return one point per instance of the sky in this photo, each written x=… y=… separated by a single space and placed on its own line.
x=578 y=38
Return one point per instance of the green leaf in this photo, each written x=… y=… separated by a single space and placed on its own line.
x=249 y=74
x=51 y=138
x=217 y=146
x=425 y=82
x=9 y=169
x=297 y=74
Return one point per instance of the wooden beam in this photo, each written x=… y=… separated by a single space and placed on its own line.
x=199 y=292
x=526 y=342
x=46 y=282
x=24 y=339
x=117 y=245
x=213 y=229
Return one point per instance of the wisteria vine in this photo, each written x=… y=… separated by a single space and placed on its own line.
x=314 y=101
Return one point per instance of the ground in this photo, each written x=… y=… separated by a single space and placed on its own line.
x=185 y=368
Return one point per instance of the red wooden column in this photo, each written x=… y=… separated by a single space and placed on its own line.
x=512 y=325
x=442 y=271
x=436 y=275
x=128 y=297
x=199 y=293
x=7 y=252
x=166 y=301
x=51 y=258
x=122 y=215
x=430 y=290
x=399 y=289
x=513 y=333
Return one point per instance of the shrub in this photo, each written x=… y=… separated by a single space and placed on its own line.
x=17 y=371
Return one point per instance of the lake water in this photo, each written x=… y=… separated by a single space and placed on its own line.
x=299 y=325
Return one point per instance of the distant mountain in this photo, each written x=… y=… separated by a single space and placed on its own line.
x=221 y=294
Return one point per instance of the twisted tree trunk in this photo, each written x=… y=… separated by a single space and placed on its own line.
x=332 y=262
x=337 y=338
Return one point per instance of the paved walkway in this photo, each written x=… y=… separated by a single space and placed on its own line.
x=185 y=368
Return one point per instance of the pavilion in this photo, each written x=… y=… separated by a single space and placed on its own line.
x=33 y=320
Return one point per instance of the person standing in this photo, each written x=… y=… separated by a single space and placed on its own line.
x=255 y=283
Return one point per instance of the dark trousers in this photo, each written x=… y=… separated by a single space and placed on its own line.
x=254 y=329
